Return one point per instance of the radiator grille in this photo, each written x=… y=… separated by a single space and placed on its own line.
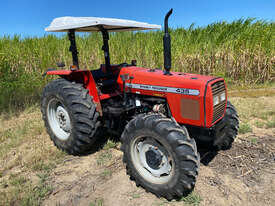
x=217 y=89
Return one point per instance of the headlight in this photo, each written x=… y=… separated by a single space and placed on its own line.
x=216 y=100
x=222 y=97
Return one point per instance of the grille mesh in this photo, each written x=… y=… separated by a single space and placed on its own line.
x=217 y=89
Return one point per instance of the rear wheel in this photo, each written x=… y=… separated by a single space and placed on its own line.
x=70 y=116
x=160 y=156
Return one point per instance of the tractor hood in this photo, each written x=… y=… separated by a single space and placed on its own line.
x=191 y=84
x=189 y=96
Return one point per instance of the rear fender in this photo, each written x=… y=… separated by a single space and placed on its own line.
x=80 y=76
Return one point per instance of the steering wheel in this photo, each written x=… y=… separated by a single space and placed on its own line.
x=124 y=64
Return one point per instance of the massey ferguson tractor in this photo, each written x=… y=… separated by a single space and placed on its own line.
x=159 y=115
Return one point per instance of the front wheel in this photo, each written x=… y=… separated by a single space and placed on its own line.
x=160 y=156
x=231 y=121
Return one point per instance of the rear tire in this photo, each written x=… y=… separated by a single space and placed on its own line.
x=231 y=119
x=160 y=156
x=70 y=116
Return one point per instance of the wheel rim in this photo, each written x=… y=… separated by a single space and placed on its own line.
x=59 y=119
x=153 y=162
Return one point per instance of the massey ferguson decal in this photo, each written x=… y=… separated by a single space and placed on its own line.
x=185 y=91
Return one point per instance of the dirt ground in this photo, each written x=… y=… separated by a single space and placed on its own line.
x=244 y=175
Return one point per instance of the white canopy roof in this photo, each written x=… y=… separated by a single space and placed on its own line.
x=89 y=24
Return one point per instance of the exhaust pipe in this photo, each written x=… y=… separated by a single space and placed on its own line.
x=167 y=45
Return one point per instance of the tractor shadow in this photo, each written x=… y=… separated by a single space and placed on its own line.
x=101 y=141
x=207 y=155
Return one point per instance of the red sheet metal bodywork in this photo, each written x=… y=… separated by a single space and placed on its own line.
x=156 y=78
x=83 y=76
x=176 y=80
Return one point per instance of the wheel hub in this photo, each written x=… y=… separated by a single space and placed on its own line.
x=153 y=158
x=59 y=119
x=63 y=118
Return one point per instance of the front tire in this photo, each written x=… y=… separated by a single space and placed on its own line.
x=160 y=156
x=70 y=116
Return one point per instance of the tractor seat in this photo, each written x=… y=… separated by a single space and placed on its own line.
x=101 y=73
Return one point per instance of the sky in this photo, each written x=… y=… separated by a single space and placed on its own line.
x=29 y=18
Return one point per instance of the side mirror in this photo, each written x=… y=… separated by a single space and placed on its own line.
x=60 y=64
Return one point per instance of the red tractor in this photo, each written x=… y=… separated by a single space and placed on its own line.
x=158 y=115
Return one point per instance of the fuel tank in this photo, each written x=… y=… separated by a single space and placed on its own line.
x=193 y=99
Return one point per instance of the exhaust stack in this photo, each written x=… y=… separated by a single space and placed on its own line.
x=167 y=45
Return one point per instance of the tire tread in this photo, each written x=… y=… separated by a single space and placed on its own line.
x=85 y=118
x=189 y=159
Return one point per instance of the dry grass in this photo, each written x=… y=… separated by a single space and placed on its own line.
x=255 y=112
x=261 y=92
x=97 y=202
x=104 y=157
x=26 y=158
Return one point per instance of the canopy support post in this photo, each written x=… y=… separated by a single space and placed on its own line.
x=105 y=48
x=73 y=48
